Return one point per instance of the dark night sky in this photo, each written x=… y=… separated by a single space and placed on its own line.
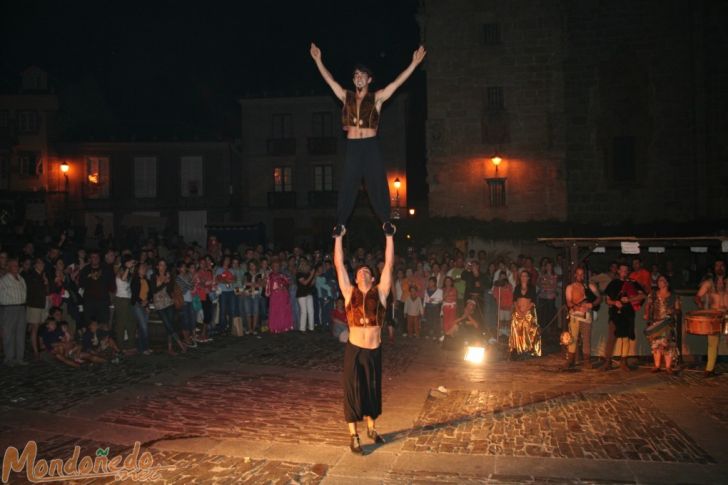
x=145 y=63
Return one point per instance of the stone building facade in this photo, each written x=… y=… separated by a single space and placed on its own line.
x=602 y=112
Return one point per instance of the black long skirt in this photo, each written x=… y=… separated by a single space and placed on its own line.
x=362 y=383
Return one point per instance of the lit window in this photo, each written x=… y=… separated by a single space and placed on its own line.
x=282 y=179
x=96 y=183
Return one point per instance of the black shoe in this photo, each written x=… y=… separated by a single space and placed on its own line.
x=355 y=445
x=338 y=231
x=389 y=228
x=374 y=436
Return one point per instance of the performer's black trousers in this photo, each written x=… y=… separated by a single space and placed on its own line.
x=363 y=159
x=362 y=383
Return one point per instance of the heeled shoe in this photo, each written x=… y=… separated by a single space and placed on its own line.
x=374 y=436
x=355 y=445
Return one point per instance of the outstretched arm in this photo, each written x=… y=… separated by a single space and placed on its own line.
x=384 y=94
x=341 y=275
x=335 y=87
x=385 y=280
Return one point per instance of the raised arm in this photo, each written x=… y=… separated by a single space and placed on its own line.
x=341 y=275
x=384 y=94
x=385 y=280
x=705 y=287
x=596 y=292
x=339 y=92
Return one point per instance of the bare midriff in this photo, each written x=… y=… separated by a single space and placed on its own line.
x=365 y=337
x=718 y=300
x=356 y=133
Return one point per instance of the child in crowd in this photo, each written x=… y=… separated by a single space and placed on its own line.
x=339 y=327
x=98 y=342
x=60 y=344
x=413 y=310
x=503 y=295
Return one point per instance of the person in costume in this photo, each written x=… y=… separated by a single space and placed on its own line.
x=360 y=119
x=365 y=303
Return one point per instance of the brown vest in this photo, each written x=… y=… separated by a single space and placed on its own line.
x=366 y=117
x=365 y=310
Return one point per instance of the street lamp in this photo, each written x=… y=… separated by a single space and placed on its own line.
x=397 y=185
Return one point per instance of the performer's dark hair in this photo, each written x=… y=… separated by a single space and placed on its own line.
x=362 y=266
x=362 y=68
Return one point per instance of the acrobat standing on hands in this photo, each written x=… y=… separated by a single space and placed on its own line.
x=360 y=119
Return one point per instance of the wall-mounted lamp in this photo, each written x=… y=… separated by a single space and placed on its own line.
x=496 y=185
x=412 y=212
x=65 y=167
x=496 y=161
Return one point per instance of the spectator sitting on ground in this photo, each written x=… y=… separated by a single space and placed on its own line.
x=339 y=327
x=98 y=342
x=466 y=329
x=59 y=346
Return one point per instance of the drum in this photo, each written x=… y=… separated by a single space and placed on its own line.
x=704 y=322
x=658 y=327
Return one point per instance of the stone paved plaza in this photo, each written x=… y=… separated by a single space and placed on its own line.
x=247 y=410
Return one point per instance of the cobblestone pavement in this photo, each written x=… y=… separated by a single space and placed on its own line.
x=322 y=353
x=427 y=477
x=179 y=467
x=248 y=410
x=228 y=405
x=51 y=386
x=572 y=425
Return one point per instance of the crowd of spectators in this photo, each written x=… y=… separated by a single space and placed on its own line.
x=91 y=306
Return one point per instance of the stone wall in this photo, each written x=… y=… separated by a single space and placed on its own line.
x=612 y=110
x=466 y=128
